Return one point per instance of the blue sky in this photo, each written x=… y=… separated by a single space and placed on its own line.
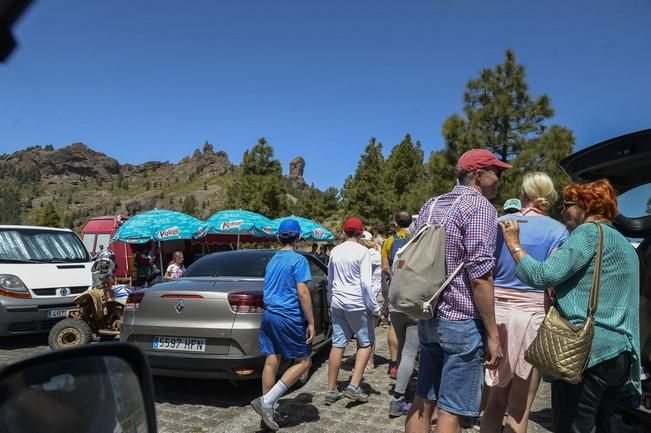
x=152 y=80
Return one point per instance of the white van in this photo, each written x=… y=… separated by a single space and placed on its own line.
x=42 y=270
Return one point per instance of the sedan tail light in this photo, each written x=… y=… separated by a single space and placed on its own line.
x=133 y=300
x=246 y=302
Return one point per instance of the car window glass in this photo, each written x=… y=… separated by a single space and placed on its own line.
x=39 y=245
x=102 y=242
x=89 y=241
x=245 y=264
x=636 y=202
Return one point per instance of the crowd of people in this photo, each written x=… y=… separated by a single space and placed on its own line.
x=469 y=357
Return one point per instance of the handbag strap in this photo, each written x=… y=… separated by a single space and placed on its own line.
x=596 y=277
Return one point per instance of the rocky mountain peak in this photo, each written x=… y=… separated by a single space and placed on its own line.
x=296 y=167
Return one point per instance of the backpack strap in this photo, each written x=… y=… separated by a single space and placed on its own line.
x=427 y=304
x=453 y=207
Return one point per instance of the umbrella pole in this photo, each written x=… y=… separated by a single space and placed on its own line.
x=127 y=273
x=160 y=255
x=238 y=241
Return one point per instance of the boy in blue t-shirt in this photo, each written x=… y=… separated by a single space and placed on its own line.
x=287 y=327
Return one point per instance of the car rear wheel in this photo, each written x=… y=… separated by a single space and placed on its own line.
x=69 y=333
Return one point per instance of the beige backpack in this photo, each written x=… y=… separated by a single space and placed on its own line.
x=419 y=272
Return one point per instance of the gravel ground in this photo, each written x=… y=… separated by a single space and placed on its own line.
x=206 y=406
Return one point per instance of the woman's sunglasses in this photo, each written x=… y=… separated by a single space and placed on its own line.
x=568 y=203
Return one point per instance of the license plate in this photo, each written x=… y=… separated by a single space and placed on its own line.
x=187 y=344
x=51 y=314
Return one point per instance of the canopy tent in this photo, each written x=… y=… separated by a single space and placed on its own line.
x=310 y=230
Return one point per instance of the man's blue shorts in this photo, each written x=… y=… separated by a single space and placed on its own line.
x=451 y=364
x=282 y=336
x=346 y=323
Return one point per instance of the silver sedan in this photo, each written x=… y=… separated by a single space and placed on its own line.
x=206 y=323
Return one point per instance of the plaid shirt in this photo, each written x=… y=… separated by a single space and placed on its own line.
x=470 y=229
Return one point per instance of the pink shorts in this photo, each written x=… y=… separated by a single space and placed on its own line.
x=518 y=314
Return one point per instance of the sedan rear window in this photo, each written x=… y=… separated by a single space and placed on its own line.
x=247 y=264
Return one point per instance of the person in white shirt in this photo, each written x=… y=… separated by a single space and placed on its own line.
x=175 y=269
x=353 y=306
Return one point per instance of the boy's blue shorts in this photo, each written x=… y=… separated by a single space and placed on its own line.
x=281 y=336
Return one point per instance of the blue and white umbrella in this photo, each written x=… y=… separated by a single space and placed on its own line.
x=310 y=230
x=238 y=222
x=158 y=225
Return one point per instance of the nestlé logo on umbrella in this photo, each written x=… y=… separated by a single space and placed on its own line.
x=226 y=225
x=172 y=231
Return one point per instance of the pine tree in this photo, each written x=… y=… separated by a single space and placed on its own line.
x=366 y=193
x=259 y=186
x=501 y=116
x=190 y=205
x=405 y=175
x=49 y=217
x=11 y=209
x=317 y=205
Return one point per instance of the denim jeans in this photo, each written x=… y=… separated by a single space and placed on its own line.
x=346 y=323
x=452 y=364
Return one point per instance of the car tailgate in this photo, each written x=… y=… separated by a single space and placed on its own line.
x=182 y=313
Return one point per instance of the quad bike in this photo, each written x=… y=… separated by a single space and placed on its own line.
x=98 y=312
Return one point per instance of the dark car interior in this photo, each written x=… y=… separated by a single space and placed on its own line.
x=626 y=162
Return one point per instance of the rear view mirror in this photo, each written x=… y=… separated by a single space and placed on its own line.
x=101 y=388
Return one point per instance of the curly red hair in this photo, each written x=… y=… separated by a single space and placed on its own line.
x=598 y=198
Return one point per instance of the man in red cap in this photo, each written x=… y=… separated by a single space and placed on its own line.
x=353 y=305
x=452 y=350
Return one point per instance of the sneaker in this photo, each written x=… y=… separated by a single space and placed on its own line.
x=393 y=372
x=332 y=396
x=281 y=420
x=398 y=407
x=267 y=414
x=355 y=394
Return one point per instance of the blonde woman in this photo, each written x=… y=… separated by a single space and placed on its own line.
x=175 y=268
x=519 y=309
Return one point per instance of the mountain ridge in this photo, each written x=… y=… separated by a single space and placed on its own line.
x=77 y=182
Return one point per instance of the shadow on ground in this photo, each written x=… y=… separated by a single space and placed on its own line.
x=23 y=341
x=542 y=418
x=217 y=393
x=298 y=410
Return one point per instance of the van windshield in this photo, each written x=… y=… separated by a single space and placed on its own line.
x=27 y=245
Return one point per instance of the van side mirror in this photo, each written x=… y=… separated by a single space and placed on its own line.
x=99 y=388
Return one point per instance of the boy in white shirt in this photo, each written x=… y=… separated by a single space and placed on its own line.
x=353 y=306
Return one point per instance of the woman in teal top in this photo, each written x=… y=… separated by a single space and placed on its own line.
x=615 y=356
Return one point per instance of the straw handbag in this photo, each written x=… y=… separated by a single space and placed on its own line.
x=562 y=349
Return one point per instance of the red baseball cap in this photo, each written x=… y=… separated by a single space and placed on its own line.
x=476 y=159
x=354 y=224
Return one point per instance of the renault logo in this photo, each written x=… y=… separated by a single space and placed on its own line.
x=64 y=291
x=179 y=305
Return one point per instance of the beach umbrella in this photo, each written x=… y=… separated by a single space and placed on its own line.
x=159 y=225
x=310 y=230
x=238 y=222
